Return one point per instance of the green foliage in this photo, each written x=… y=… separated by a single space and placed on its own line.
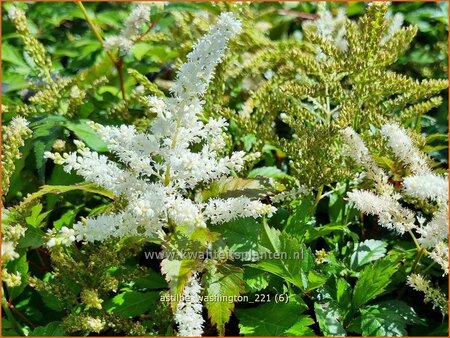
x=275 y=319
x=387 y=318
x=372 y=281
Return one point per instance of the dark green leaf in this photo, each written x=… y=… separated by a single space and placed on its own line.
x=131 y=303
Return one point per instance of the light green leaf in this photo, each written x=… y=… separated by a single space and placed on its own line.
x=88 y=135
x=60 y=189
x=372 y=281
x=367 y=251
x=36 y=218
x=388 y=318
x=327 y=315
x=33 y=238
x=275 y=319
x=226 y=281
x=287 y=258
x=272 y=172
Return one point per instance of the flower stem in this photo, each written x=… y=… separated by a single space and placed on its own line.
x=318 y=196
x=117 y=63
x=9 y=314
x=417 y=259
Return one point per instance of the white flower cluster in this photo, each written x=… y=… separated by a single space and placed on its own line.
x=433 y=295
x=11 y=234
x=403 y=147
x=423 y=184
x=188 y=315
x=137 y=18
x=158 y=170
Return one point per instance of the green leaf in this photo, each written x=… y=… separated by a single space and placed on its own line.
x=36 y=218
x=301 y=219
x=275 y=319
x=367 y=251
x=51 y=329
x=327 y=315
x=11 y=54
x=388 y=318
x=88 y=135
x=152 y=280
x=33 y=238
x=255 y=279
x=372 y=281
x=335 y=304
x=234 y=186
x=313 y=232
x=44 y=136
x=131 y=303
x=287 y=258
x=272 y=172
x=65 y=220
x=225 y=281
x=177 y=273
x=241 y=236
x=60 y=189
x=51 y=301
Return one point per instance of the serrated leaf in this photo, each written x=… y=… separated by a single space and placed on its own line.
x=36 y=218
x=226 y=281
x=327 y=315
x=51 y=329
x=301 y=219
x=287 y=257
x=372 y=281
x=367 y=251
x=131 y=303
x=388 y=318
x=32 y=239
x=336 y=295
x=241 y=236
x=275 y=319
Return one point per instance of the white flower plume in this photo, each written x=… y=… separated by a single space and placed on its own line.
x=423 y=184
x=188 y=315
x=137 y=18
x=158 y=170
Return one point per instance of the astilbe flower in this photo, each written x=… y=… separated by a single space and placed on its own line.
x=422 y=184
x=125 y=41
x=12 y=232
x=433 y=295
x=188 y=315
x=13 y=136
x=158 y=169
